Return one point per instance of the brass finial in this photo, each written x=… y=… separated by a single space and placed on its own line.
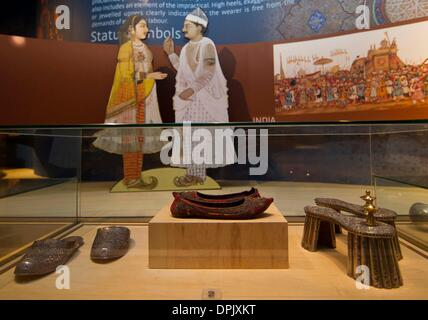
x=369 y=208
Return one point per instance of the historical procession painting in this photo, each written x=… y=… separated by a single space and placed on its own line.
x=364 y=71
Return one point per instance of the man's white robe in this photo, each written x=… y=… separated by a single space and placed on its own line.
x=210 y=100
x=211 y=97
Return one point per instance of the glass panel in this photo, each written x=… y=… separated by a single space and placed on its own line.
x=42 y=168
x=53 y=178
x=300 y=163
x=400 y=167
x=39 y=179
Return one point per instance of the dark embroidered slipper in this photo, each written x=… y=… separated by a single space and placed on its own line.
x=231 y=197
x=247 y=208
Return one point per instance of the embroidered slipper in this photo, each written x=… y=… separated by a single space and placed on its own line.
x=246 y=208
x=231 y=197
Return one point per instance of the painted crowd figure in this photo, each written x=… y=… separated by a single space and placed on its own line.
x=344 y=88
x=201 y=88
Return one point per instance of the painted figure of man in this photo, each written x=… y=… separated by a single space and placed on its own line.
x=201 y=88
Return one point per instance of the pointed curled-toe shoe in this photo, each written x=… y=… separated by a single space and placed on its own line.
x=188 y=181
x=110 y=243
x=246 y=208
x=141 y=184
x=44 y=256
x=231 y=197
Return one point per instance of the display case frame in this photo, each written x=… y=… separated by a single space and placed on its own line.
x=305 y=160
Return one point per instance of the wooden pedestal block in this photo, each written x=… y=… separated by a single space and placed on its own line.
x=260 y=243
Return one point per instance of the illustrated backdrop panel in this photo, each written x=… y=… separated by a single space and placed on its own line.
x=245 y=53
x=259 y=20
x=385 y=69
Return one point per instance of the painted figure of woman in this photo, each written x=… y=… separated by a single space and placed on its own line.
x=133 y=100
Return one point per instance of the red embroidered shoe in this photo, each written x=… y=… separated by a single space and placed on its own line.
x=231 y=197
x=246 y=208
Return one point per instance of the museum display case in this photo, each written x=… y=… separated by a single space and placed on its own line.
x=31 y=167
x=56 y=184
x=215 y=150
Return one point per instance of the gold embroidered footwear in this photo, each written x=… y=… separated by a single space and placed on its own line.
x=141 y=184
x=188 y=181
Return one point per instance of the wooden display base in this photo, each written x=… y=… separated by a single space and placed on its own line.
x=260 y=243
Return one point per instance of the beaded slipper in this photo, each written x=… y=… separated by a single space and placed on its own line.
x=45 y=256
x=110 y=243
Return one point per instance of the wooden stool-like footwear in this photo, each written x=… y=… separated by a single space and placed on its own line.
x=371 y=246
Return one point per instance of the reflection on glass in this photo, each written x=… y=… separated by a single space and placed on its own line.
x=38 y=186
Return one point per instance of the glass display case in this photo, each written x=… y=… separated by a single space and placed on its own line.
x=56 y=182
